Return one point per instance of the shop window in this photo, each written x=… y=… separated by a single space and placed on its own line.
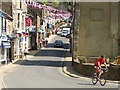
x=5 y=25
x=41 y=22
x=20 y=3
x=17 y=47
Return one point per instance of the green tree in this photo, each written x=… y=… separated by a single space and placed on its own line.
x=55 y=4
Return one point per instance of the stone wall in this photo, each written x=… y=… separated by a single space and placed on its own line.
x=89 y=70
x=7 y=7
x=96 y=29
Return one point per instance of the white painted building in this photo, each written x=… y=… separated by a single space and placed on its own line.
x=19 y=15
x=5 y=31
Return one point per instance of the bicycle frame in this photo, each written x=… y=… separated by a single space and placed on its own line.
x=97 y=76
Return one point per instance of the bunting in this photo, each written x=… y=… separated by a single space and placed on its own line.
x=58 y=13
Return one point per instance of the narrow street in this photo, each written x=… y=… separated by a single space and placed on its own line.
x=43 y=71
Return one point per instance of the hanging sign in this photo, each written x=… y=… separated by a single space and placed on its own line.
x=27 y=21
x=50 y=26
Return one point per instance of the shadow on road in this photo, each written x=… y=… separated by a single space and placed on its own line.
x=85 y=84
x=40 y=63
x=50 y=45
x=51 y=53
x=65 y=46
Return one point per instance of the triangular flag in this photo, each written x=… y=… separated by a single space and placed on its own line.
x=1 y=13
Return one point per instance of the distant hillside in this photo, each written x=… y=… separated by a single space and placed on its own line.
x=62 y=6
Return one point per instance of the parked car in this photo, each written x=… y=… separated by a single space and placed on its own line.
x=67 y=29
x=58 y=43
x=64 y=33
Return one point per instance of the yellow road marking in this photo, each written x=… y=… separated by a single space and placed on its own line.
x=4 y=86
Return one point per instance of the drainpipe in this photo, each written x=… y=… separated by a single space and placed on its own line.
x=73 y=20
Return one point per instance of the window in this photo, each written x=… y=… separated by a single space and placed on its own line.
x=23 y=22
x=20 y=3
x=8 y=31
x=17 y=47
x=5 y=25
x=0 y=5
x=18 y=21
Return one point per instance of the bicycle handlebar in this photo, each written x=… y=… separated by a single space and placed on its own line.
x=106 y=70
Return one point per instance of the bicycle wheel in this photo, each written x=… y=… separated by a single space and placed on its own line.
x=102 y=80
x=94 y=80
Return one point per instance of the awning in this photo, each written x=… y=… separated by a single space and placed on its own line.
x=6 y=45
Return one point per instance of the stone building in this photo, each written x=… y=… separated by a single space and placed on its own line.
x=19 y=13
x=6 y=23
x=96 y=30
x=36 y=23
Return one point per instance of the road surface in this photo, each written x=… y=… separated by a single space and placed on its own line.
x=43 y=71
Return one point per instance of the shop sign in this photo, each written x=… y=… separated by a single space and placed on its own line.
x=33 y=29
x=4 y=38
x=27 y=21
x=50 y=26
x=6 y=45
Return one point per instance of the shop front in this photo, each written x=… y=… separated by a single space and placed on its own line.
x=5 y=46
x=41 y=36
x=32 y=37
x=39 y=39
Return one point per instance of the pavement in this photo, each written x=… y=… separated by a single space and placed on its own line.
x=5 y=67
x=33 y=52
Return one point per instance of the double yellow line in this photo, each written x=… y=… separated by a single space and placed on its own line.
x=3 y=84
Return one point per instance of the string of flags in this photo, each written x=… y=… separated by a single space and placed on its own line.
x=60 y=13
